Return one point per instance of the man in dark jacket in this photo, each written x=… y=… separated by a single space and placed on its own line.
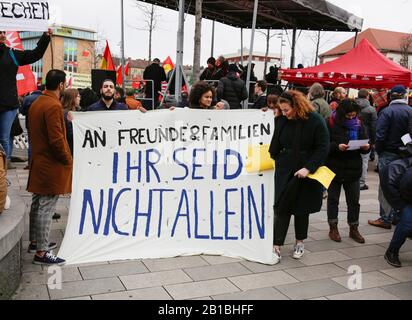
x=232 y=89
x=10 y=60
x=260 y=93
x=272 y=76
x=156 y=73
x=369 y=117
x=392 y=125
x=207 y=74
x=397 y=187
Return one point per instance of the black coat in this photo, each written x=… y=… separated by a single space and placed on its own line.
x=233 y=90
x=346 y=165
x=314 y=147
x=8 y=71
x=157 y=74
x=260 y=103
x=397 y=183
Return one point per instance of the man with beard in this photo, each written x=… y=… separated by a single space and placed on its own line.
x=107 y=102
x=50 y=168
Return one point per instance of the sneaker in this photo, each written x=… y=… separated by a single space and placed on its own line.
x=48 y=259
x=33 y=247
x=380 y=223
x=277 y=255
x=392 y=257
x=365 y=187
x=299 y=251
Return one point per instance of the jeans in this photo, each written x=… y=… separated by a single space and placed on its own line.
x=385 y=211
x=403 y=229
x=6 y=122
x=352 y=192
x=365 y=166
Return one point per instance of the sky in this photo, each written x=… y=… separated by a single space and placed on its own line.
x=103 y=16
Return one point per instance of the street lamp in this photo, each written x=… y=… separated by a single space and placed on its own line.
x=282 y=44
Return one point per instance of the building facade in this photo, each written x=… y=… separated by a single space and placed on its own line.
x=71 y=49
x=387 y=42
x=258 y=59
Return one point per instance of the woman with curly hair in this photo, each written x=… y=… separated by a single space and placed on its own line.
x=299 y=146
x=203 y=95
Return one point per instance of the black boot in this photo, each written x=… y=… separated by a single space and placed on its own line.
x=392 y=257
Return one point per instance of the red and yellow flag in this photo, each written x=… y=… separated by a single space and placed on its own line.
x=107 y=61
x=168 y=64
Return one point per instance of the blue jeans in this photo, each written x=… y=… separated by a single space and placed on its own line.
x=403 y=229
x=6 y=121
x=386 y=212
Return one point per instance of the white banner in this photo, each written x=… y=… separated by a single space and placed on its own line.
x=24 y=15
x=169 y=183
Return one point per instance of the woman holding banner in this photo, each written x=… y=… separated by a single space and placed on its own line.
x=299 y=146
x=10 y=61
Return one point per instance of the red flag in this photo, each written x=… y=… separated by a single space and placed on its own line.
x=107 y=61
x=26 y=81
x=119 y=75
x=168 y=65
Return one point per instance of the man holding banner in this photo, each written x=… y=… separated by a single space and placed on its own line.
x=10 y=61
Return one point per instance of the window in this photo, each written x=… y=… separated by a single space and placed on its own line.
x=70 y=55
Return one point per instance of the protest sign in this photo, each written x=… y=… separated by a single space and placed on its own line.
x=24 y=15
x=169 y=183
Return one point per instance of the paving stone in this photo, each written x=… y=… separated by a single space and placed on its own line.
x=366 y=264
x=262 y=280
x=325 y=245
x=174 y=263
x=369 y=280
x=112 y=270
x=378 y=238
x=217 y=271
x=30 y=292
x=403 y=274
x=286 y=263
x=323 y=257
x=401 y=290
x=320 y=299
x=369 y=294
x=316 y=272
x=86 y=288
x=311 y=289
x=363 y=252
x=257 y=294
x=215 y=260
x=202 y=299
x=142 y=294
x=201 y=289
x=156 y=279
x=79 y=298
x=51 y=275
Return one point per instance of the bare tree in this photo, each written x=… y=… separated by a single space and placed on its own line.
x=406 y=48
x=197 y=40
x=267 y=34
x=317 y=38
x=150 y=21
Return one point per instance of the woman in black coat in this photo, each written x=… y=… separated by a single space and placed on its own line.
x=299 y=147
x=345 y=125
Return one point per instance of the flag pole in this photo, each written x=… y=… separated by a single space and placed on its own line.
x=122 y=46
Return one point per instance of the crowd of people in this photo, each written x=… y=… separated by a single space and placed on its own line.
x=310 y=132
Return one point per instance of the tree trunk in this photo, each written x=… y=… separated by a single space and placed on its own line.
x=151 y=33
x=197 y=48
x=267 y=53
x=317 y=48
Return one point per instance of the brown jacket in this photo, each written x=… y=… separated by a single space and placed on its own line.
x=51 y=162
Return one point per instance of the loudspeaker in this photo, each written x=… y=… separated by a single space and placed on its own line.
x=98 y=76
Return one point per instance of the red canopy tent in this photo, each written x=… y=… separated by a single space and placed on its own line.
x=362 y=67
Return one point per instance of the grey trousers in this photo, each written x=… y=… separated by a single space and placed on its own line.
x=365 y=166
x=41 y=214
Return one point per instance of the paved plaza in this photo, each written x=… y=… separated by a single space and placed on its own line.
x=322 y=274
